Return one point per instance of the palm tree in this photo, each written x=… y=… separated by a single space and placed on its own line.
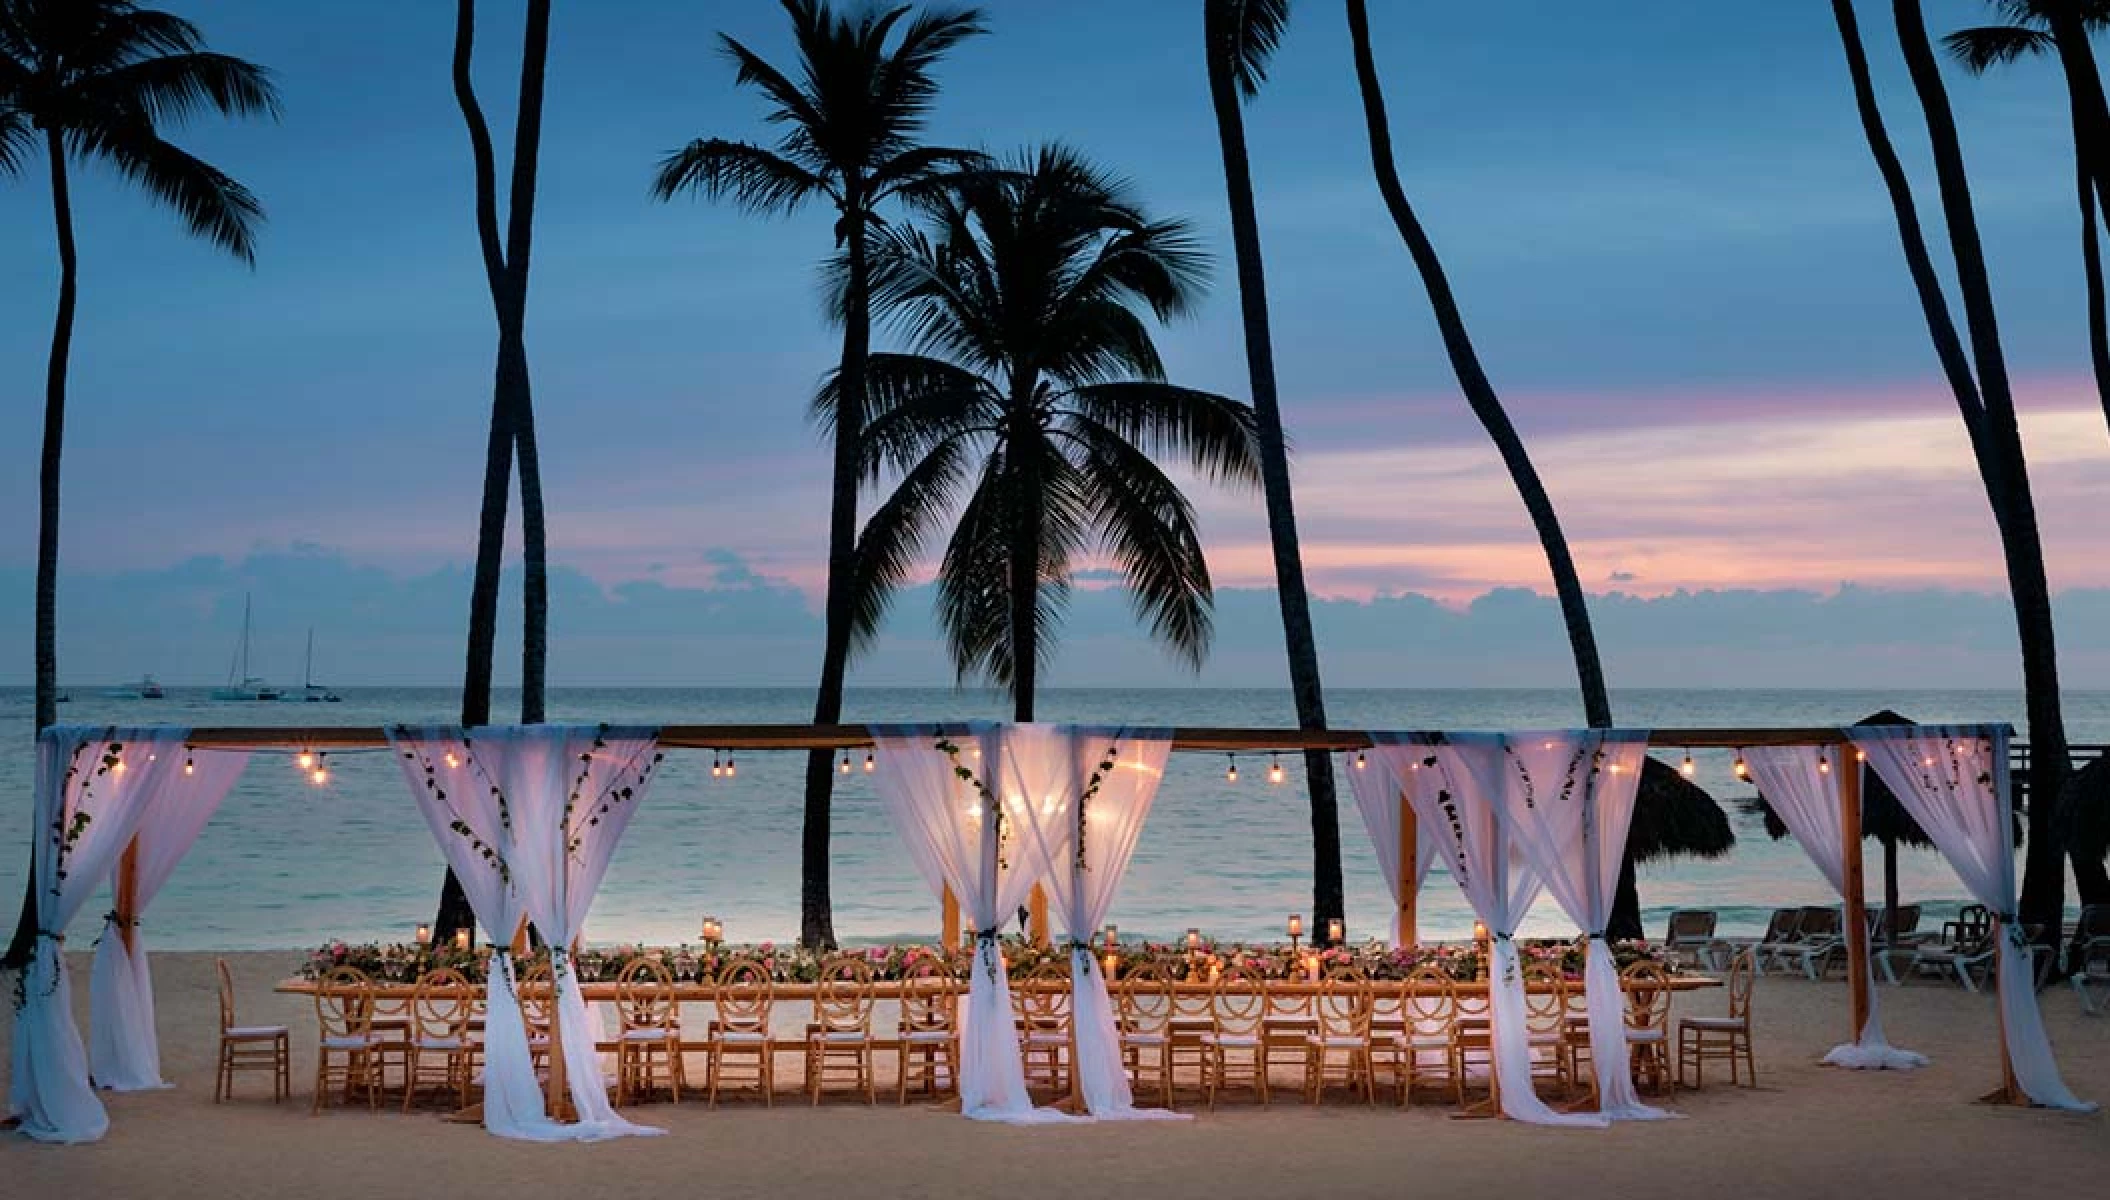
x=1480 y=396
x=850 y=126
x=96 y=81
x=1986 y=404
x=512 y=402
x=2037 y=27
x=1239 y=37
x=1031 y=408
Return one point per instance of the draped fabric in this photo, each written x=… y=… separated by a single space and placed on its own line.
x=124 y=1052
x=1801 y=784
x=1567 y=799
x=1378 y=789
x=529 y=817
x=1953 y=779
x=1455 y=782
x=1087 y=791
x=940 y=785
x=93 y=786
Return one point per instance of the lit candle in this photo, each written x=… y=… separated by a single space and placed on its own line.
x=1335 y=930
x=1296 y=926
x=1311 y=967
x=461 y=940
x=1113 y=938
x=713 y=930
x=424 y=935
x=1113 y=962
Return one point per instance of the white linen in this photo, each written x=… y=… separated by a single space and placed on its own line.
x=549 y=803
x=124 y=1051
x=1568 y=800
x=1454 y=782
x=1378 y=796
x=1058 y=771
x=1953 y=779
x=933 y=781
x=93 y=786
x=1801 y=784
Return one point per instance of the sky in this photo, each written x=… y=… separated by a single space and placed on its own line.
x=1660 y=218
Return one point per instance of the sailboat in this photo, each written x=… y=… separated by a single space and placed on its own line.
x=310 y=691
x=241 y=685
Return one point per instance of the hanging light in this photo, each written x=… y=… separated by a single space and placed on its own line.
x=730 y=769
x=305 y=760
x=1824 y=764
x=1274 y=768
x=189 y=767
x=1361 y=760
x=452 y=761
x=118 y=767
x=1231 y=772
x=1742 y=771
x=845 y=766
x=321 y=774
x=716 y=769
x=1860 y=755
x=869 y=764
x=1686 y=768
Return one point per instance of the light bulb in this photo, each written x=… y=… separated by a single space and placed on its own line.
x=1231 y=772
x=845 y=767
x=118 y=767
x=1686 y=768
x=189 y=767
x=729 y=768
x=1361 y=760
x=1274 y=771
x=1824 y=765
x=868 y=762
x=1742 y=771
x=453 y=761
x=304 y=760
x=716 y=770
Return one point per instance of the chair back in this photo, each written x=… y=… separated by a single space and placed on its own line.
x=1690 y=925
x=1144 y=999
x=535 y=988
x=1342 y=1007
x=2094 y=923
x=745 y=992
x=344 y=1003
x=1545 y=999
x=843 y=1002
x=1974 y=923
x=1647 y=987
x=1041 y=997
x=1238 y=1003
x=440 y=1004
x=644 y=996
x=1743 y=974
x=930 y=996
x=1782 y=926
x=226 y=994
x=1908 y=918
x=1426 y=1003
x=1819 y=921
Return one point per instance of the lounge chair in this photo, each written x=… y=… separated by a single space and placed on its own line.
x=1821 y=939
x=1780 y=936
x=1690 y=937
x=1969 y=948
x=1882 y=947
x=2090 y=956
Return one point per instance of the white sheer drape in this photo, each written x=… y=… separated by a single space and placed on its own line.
x=1953 y=779
x=1087 y=792
x=548 y=803
x=1378 y=796
x=939 y=785
x=1801 y=784
x=93 y=785
x=1454 y=782
x=124 y=1051
x=1568 y=799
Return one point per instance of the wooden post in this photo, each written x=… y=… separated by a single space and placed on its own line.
x=1037 y=915
x=948 y=921
x=1848 y=766
x=128 y=892
x=1409 y=886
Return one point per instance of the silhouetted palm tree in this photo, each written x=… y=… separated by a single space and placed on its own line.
x=2061 y=27
x=1032 y=408
x=1239 y=36
x=96 y=81
x=850 y=125
x=1987 y=405
x=512 y=403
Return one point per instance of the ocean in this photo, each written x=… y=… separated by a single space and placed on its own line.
x=287 y=864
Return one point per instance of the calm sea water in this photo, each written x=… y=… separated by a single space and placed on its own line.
x=286 y=864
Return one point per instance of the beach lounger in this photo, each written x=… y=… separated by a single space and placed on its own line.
x=1690 y=937
x=1780 y=937
x=1820 y=939
x=2089 y=961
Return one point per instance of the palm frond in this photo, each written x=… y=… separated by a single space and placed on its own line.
x=791 y=105
x=1243 y=36
x=1988 y=46
x=17 y=142
x=756 y=179
x=214 y=205
x=973 y=597
x=172 y=87
x=1214 y=434
x=1148 y=526
x=902 y=89
x=892 y=541
x=912 y=403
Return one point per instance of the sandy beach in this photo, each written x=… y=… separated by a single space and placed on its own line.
x=1806 y=1131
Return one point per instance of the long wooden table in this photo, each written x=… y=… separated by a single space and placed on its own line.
x=704 y=993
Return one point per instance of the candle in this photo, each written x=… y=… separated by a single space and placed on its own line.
x=1113 y=962
x=461 y=940
x=1311 y=967
x=424 y=935
x=1113 y=938
x=713 y=930
x=1336 y=930
x=1296 y=926
x=1479 y=931
x=1194 y=940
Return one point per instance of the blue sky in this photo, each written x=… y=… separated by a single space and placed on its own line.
x=1660 y=217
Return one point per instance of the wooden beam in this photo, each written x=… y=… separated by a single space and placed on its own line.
x=1037 y=915
x=1409 y=886
x=128 y=892
x=1848 y=767
x=949 y=920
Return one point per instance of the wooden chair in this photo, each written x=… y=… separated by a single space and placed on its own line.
x=535 y=988
x=1144 y=1011
x=437 y=1046
x=1420 y=1052
x=1547 y=1022
x=840 y=1038
x=348 y=1054
x=250 y=1047
x=1041 y=1002
x=648 y=1041
x=1193 y=1017
x=740 y=1037
x=929 y=1043
x=1648 y=997
x=1235 y=1048
x=1473 y=1041
x=1339 y=1045
x=1725 y=1038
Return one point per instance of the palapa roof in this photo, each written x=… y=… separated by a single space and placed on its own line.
x=1676 y=818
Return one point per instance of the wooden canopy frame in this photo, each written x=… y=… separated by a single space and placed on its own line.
x=1219 y=739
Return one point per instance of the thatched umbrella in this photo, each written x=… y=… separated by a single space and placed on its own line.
x=1673 y=818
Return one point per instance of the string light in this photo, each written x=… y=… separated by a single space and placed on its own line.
x=1361 y=760
x=1274 y=769
x=1686 y=768
x=845 y=767
x=1742 y=771
x=729 y=768
x=1860 y=755
x=716 y=769
x=118 y=767
x=321 y=774
x=453 y=761
x=869 y=764
x=1231 y=772
x=1824 y=764
x=189 y=768
x=304 y=760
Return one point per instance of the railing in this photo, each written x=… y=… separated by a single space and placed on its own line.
x=2078 y=754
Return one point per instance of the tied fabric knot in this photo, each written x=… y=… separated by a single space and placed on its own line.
x=52 y=935
x=1504 y=937
x=114 y=917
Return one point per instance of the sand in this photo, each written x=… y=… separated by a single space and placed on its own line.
x=1806 y=1131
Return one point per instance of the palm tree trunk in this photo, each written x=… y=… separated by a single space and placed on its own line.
x=1025 y=575
x=534 y=583
x=534 y=544
x=2091 y=123
x=2044 y=876
x=1328 y=901
x=816 y=894
x=47 y=601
